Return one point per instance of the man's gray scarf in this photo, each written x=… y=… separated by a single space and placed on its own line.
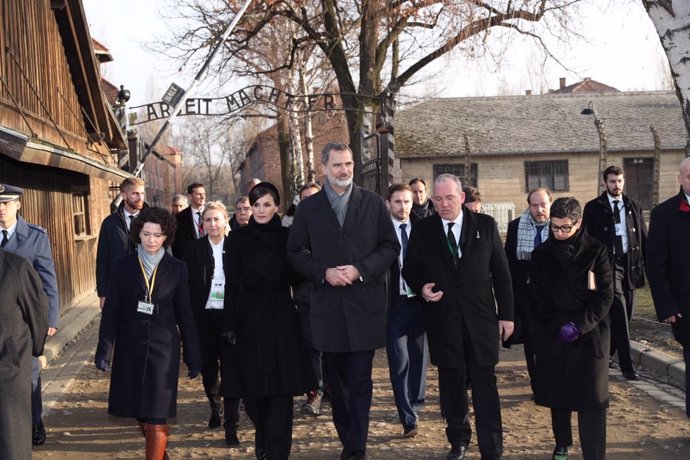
x=525 y=236
x=338 y=202
x=150 y=261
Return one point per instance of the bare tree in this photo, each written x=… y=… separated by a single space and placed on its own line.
x=672 y=21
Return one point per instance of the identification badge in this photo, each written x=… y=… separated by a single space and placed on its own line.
x=145 y=307
x=619 y=229
x=218 y=291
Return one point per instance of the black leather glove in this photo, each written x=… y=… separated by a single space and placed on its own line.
x=229 y=337
x=101 y=363
x=193 y=373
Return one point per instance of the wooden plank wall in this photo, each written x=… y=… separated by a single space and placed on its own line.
x=30 y=30
x=47 y=202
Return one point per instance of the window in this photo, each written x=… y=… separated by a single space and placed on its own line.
x=550 y=174
x=80 y=215
x=458 y=170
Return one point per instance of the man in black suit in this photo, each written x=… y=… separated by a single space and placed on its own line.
x=190 y=226
x=456 y=262
x=422 y=206
x=616 y=220
x=342 y=240
x=524 y=234
x=406 y=345
x=668 y=253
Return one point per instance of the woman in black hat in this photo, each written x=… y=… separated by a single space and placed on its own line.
x=263 y=326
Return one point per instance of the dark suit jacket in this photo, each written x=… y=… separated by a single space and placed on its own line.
x=668 y=263
x=467 y=311
x=598 y=220
x=519 y=269
x=394 y=283
x=185 y=232
x=145 y=348
x=345 y=318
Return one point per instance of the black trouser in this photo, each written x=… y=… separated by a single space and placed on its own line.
x=528 y=341
x=349 y=375
x=620 y=314
x=213 y=346
x=591 y=427
x=272 y=418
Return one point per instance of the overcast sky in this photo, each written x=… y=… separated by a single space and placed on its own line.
x=620 y=49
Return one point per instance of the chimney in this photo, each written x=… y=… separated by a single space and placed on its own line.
x=561 y=82
x=528 y=92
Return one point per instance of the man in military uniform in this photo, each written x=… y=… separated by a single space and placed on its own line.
x=31 y=242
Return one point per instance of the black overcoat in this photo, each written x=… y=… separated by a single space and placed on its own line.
x=185 y=232
x=23 y=328
x=597 y=218
x=468 y=305
x=345 y=318
x=271 y=355
x=571 y=376
x=145 y=349
x=668 y=263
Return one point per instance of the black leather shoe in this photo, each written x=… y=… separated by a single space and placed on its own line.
x=410 y=431
x=560 y=453
x=358 y=455
x=38 y=434
x=231 y=439
x=456 y=453
x=631 y=375
x=214 y=421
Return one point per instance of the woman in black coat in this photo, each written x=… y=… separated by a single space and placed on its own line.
x=146 y=302
x=571 y=289
x=264 y=325
x=207 y=260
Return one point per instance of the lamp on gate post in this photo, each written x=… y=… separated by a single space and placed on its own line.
x=601 y=131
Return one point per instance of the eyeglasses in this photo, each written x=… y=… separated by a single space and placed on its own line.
x=244 y=209
x=563 y=228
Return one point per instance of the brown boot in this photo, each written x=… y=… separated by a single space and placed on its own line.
x=156 y=441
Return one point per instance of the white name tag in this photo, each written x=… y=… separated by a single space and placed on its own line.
x=619 y=229
x=145 y=307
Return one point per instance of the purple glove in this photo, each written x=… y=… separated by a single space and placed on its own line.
x=569 y=333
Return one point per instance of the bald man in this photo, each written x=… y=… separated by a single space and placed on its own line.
x=668 y=266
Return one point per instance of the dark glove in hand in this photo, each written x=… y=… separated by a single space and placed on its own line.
x=569 y=333
x=101 y=363
x=194 y=373
x=229 y=337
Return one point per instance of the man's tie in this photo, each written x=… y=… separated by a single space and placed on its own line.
x=537 y=237
x=403 y=238
x=4 y=239
x=618 y=242
x=129 y=222
x=200 y=225
x=452 y=243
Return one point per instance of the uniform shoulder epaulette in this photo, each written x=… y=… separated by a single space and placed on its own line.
x=37 y=227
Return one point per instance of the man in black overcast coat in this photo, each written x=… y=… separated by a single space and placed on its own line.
x=456 y=262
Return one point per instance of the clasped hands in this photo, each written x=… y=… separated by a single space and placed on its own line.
x=342 y=275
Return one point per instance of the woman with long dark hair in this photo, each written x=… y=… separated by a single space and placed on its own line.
x=262 y=322
x=147 y=301
x=571 y=290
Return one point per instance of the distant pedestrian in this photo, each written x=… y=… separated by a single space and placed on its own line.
x=24 y=313
x=189 y=225
x=473 y=198
x=146 y=304
x=179 y=202
x=571 y=290
x=261 y=320
x=668 y=266
x=31 y=242
x=422 y=206
x=113 y=239
x=343 y=241
x=207 y=261
x=616 y=220
x=243 y=211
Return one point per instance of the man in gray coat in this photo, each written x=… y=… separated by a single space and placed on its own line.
x=31 y=242
x=24 y=313
x=343 y=241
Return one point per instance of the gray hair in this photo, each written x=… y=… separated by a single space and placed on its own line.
x=180 y=198
x=448 y=178
x=326 y=152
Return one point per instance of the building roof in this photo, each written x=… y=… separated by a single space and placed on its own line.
x=549 y=123
x=585 y=86
x=102 y=53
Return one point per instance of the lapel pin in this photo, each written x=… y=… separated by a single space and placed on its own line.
x=477 y=234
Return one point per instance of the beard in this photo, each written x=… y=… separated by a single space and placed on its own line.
x=342 y=182
x=135 y=204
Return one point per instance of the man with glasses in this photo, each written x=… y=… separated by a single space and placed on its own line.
x=525 y=234
x=243 y=211
x=616 y=220
x=455 y=262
